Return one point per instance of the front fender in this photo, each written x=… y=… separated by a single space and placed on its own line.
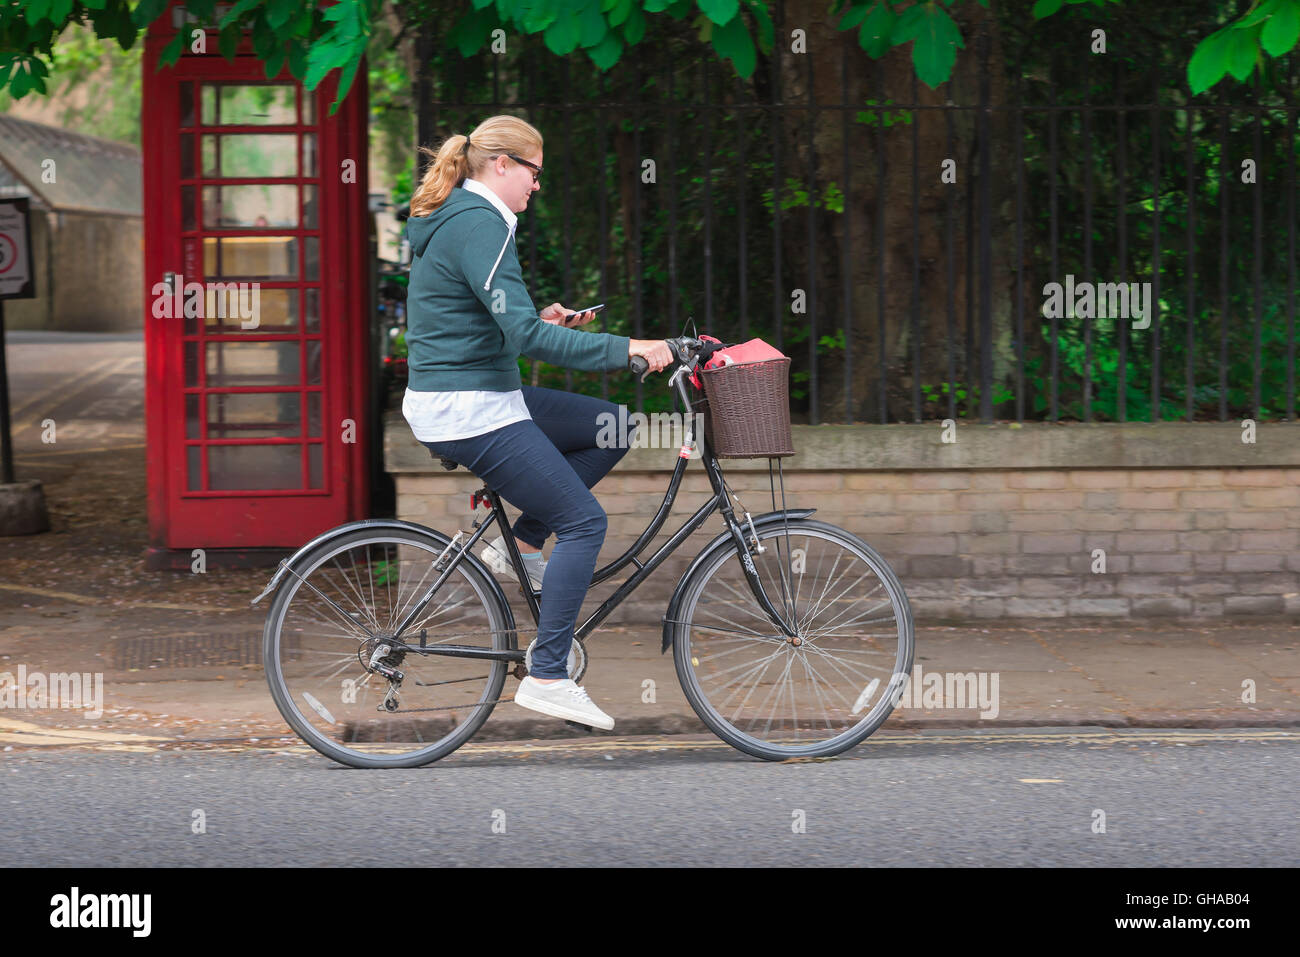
x=721 y=541
x=378 y=524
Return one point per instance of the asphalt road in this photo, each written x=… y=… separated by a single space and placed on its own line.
x=1011 y=798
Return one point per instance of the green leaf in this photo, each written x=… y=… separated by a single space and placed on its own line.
x=561 y=37
x=280 y=12
x=1243 y=50
x=634 y=27
x=59 y=9
x=345 y=79
x=35 y=11
x=874 y=37
x=657 y=6
x=482 y=4
x=908 y=25
x=264 y=38
x=1045 y=8
x=228 y=41
x=935 y=49
x=172 y=51
x=237 y=11
x=19 y=84
x=145 y=12
x=541 y=16
x=1259 y=14
x=591 y=25
x=732 y=40
x=297 y=60
x=719 y=11
x=1282 y=30
x=607 y=52
x=275 y=63
x=854 y=16
x=620 y=12
x=766 y=32
x=1209 y=62
x=126 y=32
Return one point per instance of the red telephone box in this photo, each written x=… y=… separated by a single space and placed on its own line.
x=256 y=290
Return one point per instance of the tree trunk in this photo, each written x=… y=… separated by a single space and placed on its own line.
x=915 y=322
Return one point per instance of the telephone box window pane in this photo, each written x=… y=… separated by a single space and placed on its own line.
x=311 y=258
x=309 y=154
x=250 y=257
x=207 y=104
x=227 y=306
x=313 y=362
x=194 y=468
x=237 y=467
x=311 y=309
x=313 y=414
x=187 y=157
x=187 y=104
x=309 y=207
x=250 y=154
x=192 y=417
x=308 y=107
x=254 y=206
x=252 y=363
x=187 y=208
x=254 y=415
x=192 y=364
x=316 y=473
x=273 y=310
x=252 y=105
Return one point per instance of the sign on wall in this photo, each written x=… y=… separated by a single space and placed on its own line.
x=15 y=251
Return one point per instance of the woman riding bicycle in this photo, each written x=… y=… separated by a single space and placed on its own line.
x=469 y=318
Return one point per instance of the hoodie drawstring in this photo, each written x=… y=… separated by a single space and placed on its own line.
x=488 y=283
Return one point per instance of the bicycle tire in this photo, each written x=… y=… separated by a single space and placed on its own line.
x=499 y=623
x=687 y=611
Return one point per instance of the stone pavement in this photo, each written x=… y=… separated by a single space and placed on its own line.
x=180 y=673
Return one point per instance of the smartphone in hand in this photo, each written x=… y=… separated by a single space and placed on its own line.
x=568 y=316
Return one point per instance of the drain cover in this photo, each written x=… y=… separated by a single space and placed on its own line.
x=178 y=651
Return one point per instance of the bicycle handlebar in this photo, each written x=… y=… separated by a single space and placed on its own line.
x=684 y=348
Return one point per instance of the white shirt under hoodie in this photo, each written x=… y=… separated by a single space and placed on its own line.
x=445 y=416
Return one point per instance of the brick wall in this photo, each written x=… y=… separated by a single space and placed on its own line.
x=972 y=541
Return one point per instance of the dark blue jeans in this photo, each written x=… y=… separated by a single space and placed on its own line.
x=546 y=467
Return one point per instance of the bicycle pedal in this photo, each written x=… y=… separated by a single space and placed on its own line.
x=580 y=727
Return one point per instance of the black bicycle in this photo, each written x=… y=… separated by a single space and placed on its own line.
x=387 y=644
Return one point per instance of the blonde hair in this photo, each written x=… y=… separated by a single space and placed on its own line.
x=451 y=163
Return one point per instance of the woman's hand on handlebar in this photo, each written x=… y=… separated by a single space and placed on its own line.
x=655 y=352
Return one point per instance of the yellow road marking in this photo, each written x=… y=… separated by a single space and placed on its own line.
x=112 y=741
x=20 y=732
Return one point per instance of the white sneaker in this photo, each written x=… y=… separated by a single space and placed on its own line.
x=497 y=558
x=562 y=699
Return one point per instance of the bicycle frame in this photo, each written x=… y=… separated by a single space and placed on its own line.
x=644 y=569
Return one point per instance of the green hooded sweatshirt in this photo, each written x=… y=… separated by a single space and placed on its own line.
x=468 y=313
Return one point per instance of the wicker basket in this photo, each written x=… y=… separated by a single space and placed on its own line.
x=747 y=409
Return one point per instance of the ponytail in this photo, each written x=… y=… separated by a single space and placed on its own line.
x=461 y=156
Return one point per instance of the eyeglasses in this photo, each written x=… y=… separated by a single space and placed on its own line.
x=537 y=170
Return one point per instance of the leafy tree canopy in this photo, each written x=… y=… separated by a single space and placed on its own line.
x=315 y=40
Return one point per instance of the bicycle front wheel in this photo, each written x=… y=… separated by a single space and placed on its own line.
x=334 y=673
x=817 y=694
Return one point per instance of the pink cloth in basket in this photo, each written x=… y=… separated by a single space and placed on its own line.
x=755 y=350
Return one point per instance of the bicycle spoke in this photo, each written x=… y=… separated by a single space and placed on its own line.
x=851 y=632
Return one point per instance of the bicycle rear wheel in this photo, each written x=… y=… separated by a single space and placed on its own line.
x=775 y=698
x=326 y=632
